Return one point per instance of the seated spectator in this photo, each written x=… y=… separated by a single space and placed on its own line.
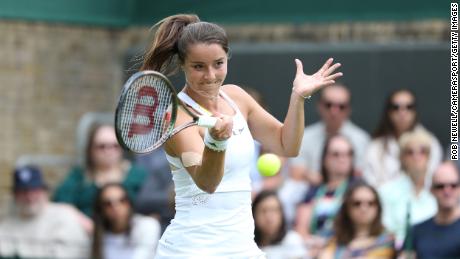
x=118 y=231
x=292 y=191
x=438 y=237
x=359 y=232
x=156 y=197
x=406 y=200
x=334 y=109
x=104 y=164
x=38 y=228
x=271 y=233
x=314 y=220
x=381 y=160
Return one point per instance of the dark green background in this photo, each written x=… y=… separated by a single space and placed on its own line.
x=145 y=12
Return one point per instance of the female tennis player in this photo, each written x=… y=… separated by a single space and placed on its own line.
x=210 y=167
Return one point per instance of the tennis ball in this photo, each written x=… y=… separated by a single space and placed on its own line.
x=268 y=164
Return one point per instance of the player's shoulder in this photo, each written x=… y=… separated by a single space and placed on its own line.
x=233 y=91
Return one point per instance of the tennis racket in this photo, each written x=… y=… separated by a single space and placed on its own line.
x=146 y=113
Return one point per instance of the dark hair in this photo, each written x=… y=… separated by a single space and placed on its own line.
x=173 y=36
x=386 y=127
x=263 y=195
x=102 y=224
x=324 y=172
x=343 y=226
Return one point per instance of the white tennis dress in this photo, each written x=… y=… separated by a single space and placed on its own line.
x=218 y=225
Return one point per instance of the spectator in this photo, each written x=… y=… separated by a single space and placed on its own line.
x=118 y=231
x=334 y=109
x=156 y=197
x=381 y=161
x=291 y=192
x=438 y=237
x=38 y=228
x=271 y=233
x=104 y=164
x=406 y=199
x=315 y=215
x=359 y=232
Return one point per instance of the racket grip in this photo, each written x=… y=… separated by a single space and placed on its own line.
x=206 y=121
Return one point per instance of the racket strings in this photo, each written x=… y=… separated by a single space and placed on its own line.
x=146 y=115
x=164 y=108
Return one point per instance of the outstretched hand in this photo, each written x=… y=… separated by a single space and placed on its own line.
x=305 y=85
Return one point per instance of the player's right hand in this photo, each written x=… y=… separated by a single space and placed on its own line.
x=223 y=128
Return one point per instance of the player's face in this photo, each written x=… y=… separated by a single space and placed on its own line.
x=446 y=187
x=363 y=207
x=105 y=149
x=205 y=67
x=339 y=158
x=268 y=216
x=402 y=113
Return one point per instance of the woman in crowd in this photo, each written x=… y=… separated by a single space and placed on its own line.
x=314 y=220
x=104 y=163
x=118 y=232
x=358 y=228
x=407 y=199
x=271 y=233
x=382 y=157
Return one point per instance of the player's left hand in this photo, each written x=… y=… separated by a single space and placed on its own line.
x=305 y=85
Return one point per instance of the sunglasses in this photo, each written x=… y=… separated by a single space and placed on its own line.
x=359 y=203
x=110 y=203
x=330 y=105
x=442 y=186
x=399 y=107
x=337 y=154
x=413 y=151
x=105 y=146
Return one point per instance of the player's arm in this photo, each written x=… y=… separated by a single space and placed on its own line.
x=285 y=138
x=205 y=165
x=275 y=137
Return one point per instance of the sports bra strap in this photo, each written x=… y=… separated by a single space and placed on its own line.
x=200 y=109
x=190 y=102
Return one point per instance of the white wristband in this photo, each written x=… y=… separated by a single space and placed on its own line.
x=213 y=144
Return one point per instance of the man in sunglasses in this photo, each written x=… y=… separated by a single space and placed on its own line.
x=38 y=228
x=439 y=236
x=334 y=110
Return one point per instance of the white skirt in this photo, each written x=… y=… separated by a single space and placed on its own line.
x=218 y=225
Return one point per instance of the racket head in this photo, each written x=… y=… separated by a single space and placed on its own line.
x=146 y=112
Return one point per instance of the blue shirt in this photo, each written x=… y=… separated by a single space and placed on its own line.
x=431 y=240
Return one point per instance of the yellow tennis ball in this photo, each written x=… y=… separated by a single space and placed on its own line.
x=268 y=164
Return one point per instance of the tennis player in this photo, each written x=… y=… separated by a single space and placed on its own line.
x=210 y=167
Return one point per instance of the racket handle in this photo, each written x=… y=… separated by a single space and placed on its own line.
x=206 y=121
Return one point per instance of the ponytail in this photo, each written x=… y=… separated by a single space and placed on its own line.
x=162 y=54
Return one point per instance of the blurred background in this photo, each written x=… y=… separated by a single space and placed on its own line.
x=62 y=59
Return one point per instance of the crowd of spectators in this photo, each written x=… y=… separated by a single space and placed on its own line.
x=346 y=195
